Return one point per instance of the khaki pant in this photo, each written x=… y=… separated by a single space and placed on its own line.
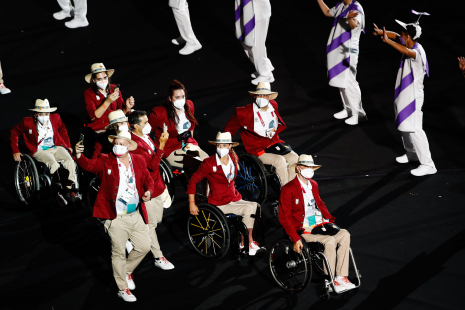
x=282 y=164
x=51 y=157
x=154 y=209
x=242 y=208
x=341 y=255
x=176 y=158
x=1 y=74
x=124 y=227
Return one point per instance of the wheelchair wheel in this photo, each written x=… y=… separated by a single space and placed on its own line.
x=166 y=172
x=27 y=180
x=209 y=232
x=92 y=190
x=251 y=179
x=292 y=271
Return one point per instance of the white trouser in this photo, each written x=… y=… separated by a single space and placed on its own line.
x=80 y=7
x=183 y=21
x=257 y=54
x=352 y=95
x=416 y=143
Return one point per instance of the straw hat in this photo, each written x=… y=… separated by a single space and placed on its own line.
x=97 y=68
x=305 y=160
x=117 y=116
x=264 y=88
x=191 y=147
x=43 y=106
x=123 y=135
x=224 y=137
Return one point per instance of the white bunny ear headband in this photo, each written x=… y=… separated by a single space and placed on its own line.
x=416 y=24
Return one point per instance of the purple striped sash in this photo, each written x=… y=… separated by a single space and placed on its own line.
x=250 y=25
x=405 y=113
x=340 y=67
x=406 y=81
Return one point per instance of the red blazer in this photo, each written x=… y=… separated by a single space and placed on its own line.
x=28 y=129
x=244 y=120
x=291 y=214
x=152 y=159
x=221 y=192
x=157 y=118
x=106 y=166
x=93 y=101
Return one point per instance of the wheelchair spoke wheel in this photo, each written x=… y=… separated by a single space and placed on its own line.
x=292 y=271
x=168 y=177
x=27 y=180
x=208 y=232
x=251 y=179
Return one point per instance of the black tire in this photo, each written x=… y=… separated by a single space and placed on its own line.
x=209 y=232
x=251 y=180
x=92 y=190
x=27 y=182
x=292 y=271
x=166 y=172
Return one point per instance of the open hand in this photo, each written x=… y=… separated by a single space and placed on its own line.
x=376 y=30
x=146 y=196
x=384 y=36
x=461 y=63
x=352 y=14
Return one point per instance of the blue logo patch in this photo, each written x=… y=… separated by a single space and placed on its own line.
x=186 y=125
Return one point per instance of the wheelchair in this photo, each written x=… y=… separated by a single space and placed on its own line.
x=253 y=178
x=293 y=271
x=31 y=177
x=212 y=233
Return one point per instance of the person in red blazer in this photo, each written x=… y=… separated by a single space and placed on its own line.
x=260 y=124
x=118 y=122
x=47 y=139
x=220 y=171
x=125 y=186
x=140 y=128
x=102 y=97
x=301 y=209
x=177 y=114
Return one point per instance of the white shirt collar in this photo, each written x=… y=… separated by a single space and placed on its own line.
x=307 y=186
x=256 y=109
x=218 y=161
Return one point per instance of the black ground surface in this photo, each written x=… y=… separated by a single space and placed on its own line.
x=407 y=233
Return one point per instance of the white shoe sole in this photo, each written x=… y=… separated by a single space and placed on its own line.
x=5 y=92
x=196 y=48
x=420 y=175
x=77 y=26
x=126 y=300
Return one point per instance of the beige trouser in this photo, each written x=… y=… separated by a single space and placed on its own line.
x=176 y=158
x=1 y=74
x=242 y=208
x=282 y=164
x=124 y=227
x=154 y=209
x=51 y=157
x=341 y=255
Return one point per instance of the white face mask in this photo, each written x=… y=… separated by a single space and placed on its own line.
x=43 y=119
x=307 y=173
x=120 y=150
x=222 y=152
x=179 y=104
x=147 y=129
x=261 y=102
x=102 y=85
x=123 y=128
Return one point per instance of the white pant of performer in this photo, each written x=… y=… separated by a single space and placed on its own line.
x=183 y=20
x=352 y=95
x=80 y=8
x=257 y=54
x=416 y=143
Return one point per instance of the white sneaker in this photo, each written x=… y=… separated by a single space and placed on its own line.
x=189 y=49
x=423 y=170
x=353 y=120
x=163 y=263
x=130 y=281
x=4 y=90
x=339 y=287
x=269 y=79
x=178 y=41
x=76 y=23
x=344 y=281
x=402 y=159
x=254 y=75
x=61 y=15
x=341 y=115
x=254 y=248
x=127 y=295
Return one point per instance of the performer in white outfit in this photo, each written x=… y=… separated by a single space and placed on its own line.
x=409 y=95
x=252 y=20
x=342 y=56
x=183 y=20
x=79 y=11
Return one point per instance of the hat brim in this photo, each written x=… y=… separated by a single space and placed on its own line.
x=44 y=110
x=108 y=71
x=315 y=167
x=133 y=144
x=264 y=92
x=124 y=120
x=215 y=143
x=404 y=25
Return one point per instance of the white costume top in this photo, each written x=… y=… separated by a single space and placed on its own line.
x=45 y=136
x=228 y=169
x=124 y=174
x=265 y=123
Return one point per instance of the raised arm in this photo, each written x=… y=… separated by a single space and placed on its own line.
x=91 y=165
x=390 y=34
x=407 y=52
x=324 y=8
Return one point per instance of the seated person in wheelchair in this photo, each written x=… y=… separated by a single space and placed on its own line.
x=118 y=122
x=140 y=129
x=260 y=123
x=126 y=185
x=301 y=209
x=47 y=139
x=220 y=171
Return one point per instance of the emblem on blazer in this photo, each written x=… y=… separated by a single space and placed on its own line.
x=245 y=127
x=98 y=97
x=297 y=201
x=109 y=171
x=214 y=168
x=30 y=131
x=150 y=152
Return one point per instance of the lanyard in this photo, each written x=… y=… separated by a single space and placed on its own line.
x=261 y=120
x=45 y=135
x=126 y=172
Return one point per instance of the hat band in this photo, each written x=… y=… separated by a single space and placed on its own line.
x=117 y=120
x=264 y=89
x=98 y=70
x=42 y=107
x=223 y=141
x=305 y=162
